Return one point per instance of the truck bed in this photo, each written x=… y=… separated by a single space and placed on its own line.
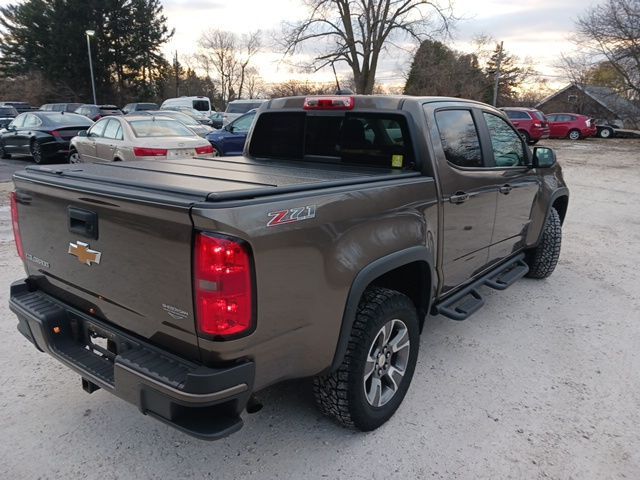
x=225 y=178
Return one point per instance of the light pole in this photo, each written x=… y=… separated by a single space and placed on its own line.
x=91 y=33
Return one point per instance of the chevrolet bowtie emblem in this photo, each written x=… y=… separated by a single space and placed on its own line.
x=84 y=253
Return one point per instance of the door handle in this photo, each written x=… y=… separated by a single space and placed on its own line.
x=505 y=189
x=459 y=197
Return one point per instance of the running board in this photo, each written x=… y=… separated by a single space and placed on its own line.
x=467 y=301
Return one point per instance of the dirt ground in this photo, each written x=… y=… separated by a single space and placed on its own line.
x=543 y=382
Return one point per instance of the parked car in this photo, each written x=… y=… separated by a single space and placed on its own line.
x=189 y=121
x=185 y=289
x=137 y=137
x=139 y=107
x=45 y=136
x=7 y=114
x=60 y=107
x=96 y=112
x=530 y=123
x=21 y=107
x=216 y=119
x=197 y=115
x=201 y=104
x=235 y=108
x=230 y=139
x=571 y=125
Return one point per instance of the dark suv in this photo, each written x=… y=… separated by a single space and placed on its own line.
x=96 y=112
x=530 y=123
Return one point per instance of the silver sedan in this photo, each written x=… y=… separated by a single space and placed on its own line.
x=137 y=137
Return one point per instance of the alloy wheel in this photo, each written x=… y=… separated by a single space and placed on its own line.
x=386 y=363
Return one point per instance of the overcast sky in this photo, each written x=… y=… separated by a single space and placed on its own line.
x=538 y=29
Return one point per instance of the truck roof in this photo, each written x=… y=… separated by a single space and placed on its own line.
x=378 y=102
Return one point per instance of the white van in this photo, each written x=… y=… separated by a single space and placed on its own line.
x=202 y=104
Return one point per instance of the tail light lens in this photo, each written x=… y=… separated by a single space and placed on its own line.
x=223 y=286
x=16 y=225
x=537 y=124
x=56 y=134
x=149 y=152
x=204 y=150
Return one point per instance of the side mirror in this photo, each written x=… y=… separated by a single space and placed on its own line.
x=229 y=128
x=10 y=127
x=543 y=157
x=82 y=133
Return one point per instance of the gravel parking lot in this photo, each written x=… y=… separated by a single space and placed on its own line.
x=540 y=383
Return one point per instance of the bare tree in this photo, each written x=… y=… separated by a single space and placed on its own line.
x=576 y=67
x=612 y=30
x=227 y=57
x=356 y=31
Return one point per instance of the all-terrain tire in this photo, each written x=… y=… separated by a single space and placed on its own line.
x=342 y=394
x=542 y=260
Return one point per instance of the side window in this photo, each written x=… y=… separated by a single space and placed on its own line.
x=243 y=124
x=507 y=146
x=98 y=129
x=459 y=138
x=111 y=130
x=32 y=121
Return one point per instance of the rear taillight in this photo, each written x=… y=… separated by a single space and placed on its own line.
x=56 y=134
x=223 y=286
x=16 y=225
x=537 y=125
x=329 y=103
x=204 y=150
x=149 y=152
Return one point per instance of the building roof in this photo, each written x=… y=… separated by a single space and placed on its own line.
x=605 y=96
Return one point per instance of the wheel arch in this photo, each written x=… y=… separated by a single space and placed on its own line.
x=408 y=271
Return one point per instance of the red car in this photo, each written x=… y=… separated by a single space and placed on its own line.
x=531 y=123
x=571 y=125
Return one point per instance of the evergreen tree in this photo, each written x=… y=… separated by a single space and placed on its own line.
x=48 y=37
x=511 y=77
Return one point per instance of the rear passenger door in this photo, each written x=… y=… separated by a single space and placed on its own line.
x=469 y=195
x=518 y=185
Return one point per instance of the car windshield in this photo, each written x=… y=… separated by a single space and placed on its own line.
x=160 y=128
x=68 y=119
x=243 y=107
x=369 y=139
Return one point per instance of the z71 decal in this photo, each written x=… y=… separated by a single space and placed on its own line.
x=292 y=215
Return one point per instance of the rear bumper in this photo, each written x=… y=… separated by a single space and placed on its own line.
x=201 y=401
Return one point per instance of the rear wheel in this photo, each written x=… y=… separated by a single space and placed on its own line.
x=542 y=260
x=574 y=135
x=36 y=152
x=381 y=356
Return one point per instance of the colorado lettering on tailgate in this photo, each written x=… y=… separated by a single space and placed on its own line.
x=292 y=215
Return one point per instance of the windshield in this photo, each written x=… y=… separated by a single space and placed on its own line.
x=160 y=128
x=539 y=115
x=243 y=107
x=201 y=105
x=181 y=117
x=69 y=119
x=371 y=139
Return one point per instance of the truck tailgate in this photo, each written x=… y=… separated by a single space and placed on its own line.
x=123 y=260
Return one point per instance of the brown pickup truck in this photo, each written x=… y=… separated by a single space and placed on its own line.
x=184 y=287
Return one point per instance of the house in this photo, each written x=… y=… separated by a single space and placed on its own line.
x=600 y=103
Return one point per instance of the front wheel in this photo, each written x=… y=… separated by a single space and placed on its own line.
x=525 y=136
x=542 y=260
x=373 y=379
x=3 y=153
x=74 y=157
x=574 y=135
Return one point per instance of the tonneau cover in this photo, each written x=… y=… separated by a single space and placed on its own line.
x=222 y=178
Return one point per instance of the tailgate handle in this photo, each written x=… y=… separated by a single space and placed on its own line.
x=83 y=222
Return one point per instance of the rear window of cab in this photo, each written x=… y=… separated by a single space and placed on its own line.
x=367 y=139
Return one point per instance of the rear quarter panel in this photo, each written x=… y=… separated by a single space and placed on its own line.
x=304 y=270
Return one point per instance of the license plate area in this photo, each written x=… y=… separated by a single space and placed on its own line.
x=181 y=153
x=100 y=342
